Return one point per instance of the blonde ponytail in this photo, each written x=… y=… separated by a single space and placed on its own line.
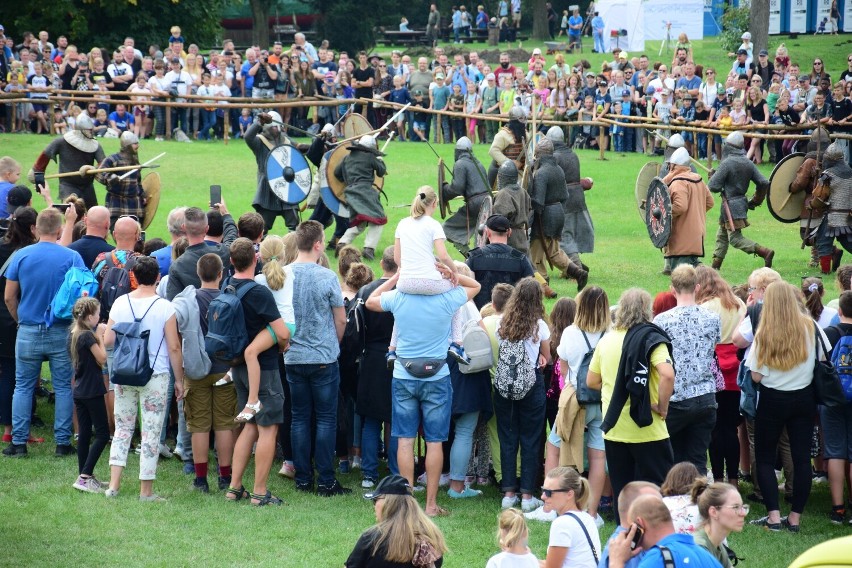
x=425 y=197
x=271 y=251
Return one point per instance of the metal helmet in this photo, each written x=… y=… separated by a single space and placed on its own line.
x=84 y=123
x=735 y=140
x=328 y=129
x=275 y=117
x=680 y=157
x=555 y=134
x=676 y=141
x=517 y=113
x=128 y=138
x=833 y=154
x=544 y=147
x=464 y=143
x=367 y=141
x=819 y=140
x=507 y=174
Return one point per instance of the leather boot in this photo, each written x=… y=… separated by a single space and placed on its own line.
x=332 y=244
x=574 y=271
x=767 y=255
x=337 y=248
x=368 y=253
x=717 y=263
x=835 y=259
x=548 y=291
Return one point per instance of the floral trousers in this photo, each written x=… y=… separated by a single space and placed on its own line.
x=128 y=400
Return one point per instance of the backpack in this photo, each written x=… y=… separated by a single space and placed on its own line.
x=131 y=365
x=515 y=375
x=841 y=358
x=196 y=362
x=354 y=334
x=585 y=395
x=78 y=282
x=226 y=337
x=117 y=281
x=477 y=346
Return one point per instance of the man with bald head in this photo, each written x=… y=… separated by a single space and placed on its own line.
x=94 y=241
x=628 y=495
x=126 y=233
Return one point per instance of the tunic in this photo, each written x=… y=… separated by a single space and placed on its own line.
x=469 y=183
x=733 y=177
x=70 y=160
x=263 y=197
x=358 y=170
x=690 y=202
x=578 y=234
x=124 y=197
x=515 y=204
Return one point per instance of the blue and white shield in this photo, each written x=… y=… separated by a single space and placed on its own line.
x=288 y=174
x=326 y=193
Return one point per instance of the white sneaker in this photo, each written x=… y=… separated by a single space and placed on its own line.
x=599 y=522
x=541 y=515
x=531 y=504
x=509 y=501
x=421 y=479
x=367 y=483
x=355 y=462
x=165 y=452
x=87 y=485
x=444 y=481
x=178 y=451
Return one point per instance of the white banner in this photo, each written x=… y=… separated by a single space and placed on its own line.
x=798 y=16
x=685 y=16
x=823 y=10
x=847 y=16
x=624 y=15
x=774 y=17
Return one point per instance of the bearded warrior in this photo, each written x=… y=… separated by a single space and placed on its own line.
x=125 y=195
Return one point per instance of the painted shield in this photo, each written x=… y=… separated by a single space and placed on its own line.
x=355 y=125
x=484 y=214
x=151 y=190
x=326 y=193
x=443 y=206
x=335 y=157
x=288 y=173
x=658 y=213
x=648 y=172
x=783 y=205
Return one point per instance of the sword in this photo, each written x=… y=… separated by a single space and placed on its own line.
x=727 y=209
x=385 y=145
x=140 y=166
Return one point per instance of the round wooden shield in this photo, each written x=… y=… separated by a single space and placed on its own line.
x=646 y=175
x=526 y=178
x=355 y=125
x=151 y=190
x=534 y=139
x=327 y=195
x=335 y=157
x=443 y=206
x=288 y=173
x=783 y=205
x=484 y=214
x=658 y=213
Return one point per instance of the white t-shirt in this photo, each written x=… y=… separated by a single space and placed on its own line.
x=566 y=532
x=182 y=81
x=793 y=379
x=658 y=85
x=532 y=346
x=154 y=322
x=417 y=244
x=284 y=296
x=510 y=560
x=572 y=348
x=826 y=316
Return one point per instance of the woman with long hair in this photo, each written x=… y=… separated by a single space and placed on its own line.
x=758 y=114
x=716 y=295
x=813 y=291
x=563 y=314
x=676 y=495
x=195 y=68
x=306 y=86
x=782 y=361
x=520 y=419
x=722 y=512
x=560 y=98
x=403 y=535
x=574 y=539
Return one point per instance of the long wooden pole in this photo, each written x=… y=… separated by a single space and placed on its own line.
x=98 y=171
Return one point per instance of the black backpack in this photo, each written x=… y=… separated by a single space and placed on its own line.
x=585 y=395
x=118 y=280
x=354 y=335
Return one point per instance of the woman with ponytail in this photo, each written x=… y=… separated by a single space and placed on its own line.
x=574 y=539
x=813 y=291
x=722 y=512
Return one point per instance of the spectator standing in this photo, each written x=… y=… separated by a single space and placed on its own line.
x=575 y=28
x=598 y=33
x=179 y=84
x=183 y=272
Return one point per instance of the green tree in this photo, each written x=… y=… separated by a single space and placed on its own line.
x=351 y=24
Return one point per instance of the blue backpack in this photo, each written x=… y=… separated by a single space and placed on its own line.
x=78 y=282
x=226 y=337
x=841 y=358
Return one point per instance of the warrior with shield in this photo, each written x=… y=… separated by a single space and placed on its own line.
x=508 y=144
x=690 y=201
x=835 y=191
x=125 y=195
x=468 y=182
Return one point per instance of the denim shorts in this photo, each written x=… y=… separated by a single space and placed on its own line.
x=837 y=431
x=594 y=433
x=431 y=400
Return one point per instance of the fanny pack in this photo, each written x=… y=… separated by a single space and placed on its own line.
x=422 y=367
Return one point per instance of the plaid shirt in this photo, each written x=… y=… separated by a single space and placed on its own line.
x=124 y=197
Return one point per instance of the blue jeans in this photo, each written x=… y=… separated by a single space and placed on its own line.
x=313 y=389
x=370 y=438
x=599 y=42
x=422 y=403
x=36 y=343
x=520 y=423
x=702 y=145
x=462 y=445
x=208 y=121
x=179 y=120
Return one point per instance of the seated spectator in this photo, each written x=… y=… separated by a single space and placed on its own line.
x=676 y=495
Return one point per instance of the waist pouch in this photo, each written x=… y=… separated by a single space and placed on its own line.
x=422 y=367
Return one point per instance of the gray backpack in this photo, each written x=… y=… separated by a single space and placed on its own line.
x=196 y=362
x=477 y=346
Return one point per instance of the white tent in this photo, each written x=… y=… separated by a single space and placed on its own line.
x=647 y=20
x=622 y=15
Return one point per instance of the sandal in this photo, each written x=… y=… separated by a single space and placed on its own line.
x=246 y=416
x=268 y=499
x=441 y=512
x=237 y=492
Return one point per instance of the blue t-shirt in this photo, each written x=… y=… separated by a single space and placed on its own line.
x=694 y=83
x=39 y=270
x=604 y=561
x=684 y=551
x=400 y=96
x=164 y=259
x=249 y=79
x=122 y=122
x=574 y=21
x=424 y=325
x=5 y=186
x=597 y=23
x=440 y=96
x=245 y=121
x=316 y=291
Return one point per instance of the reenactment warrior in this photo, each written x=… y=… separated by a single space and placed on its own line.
x=578 y=234
x=322 y=143
x=123 y=196
x=836 y=181
x=468 y=182
x=357 y=171
x=513 y=203
x=262 y=137
x=732 y=180
x=509 y=144
x=675 y=141
x=77 y=151
x=691 y=200
x=549 y=195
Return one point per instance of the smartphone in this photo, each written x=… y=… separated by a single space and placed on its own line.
x=637 y=537
x=39 y=180
x=62 y=206
x=215 y=195
x=142 y=236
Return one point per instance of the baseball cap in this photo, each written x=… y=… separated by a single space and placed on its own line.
x=439 y=76
x=329 y=75
x=603 y=83
x=720 y=90
x=490 y=77
x=391 y=485
x=763 y=52
x=589 y=74
x=804 y=77
x=18 y=196
x=536 y=51
x=742 y=52
x=622 y=55
x=498 y=223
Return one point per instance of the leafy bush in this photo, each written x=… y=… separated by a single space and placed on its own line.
x=734 y=23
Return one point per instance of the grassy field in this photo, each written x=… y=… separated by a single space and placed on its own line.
x=46 y=523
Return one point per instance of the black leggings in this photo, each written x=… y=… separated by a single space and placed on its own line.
x=725 y=442
x=91 y=412
x=284 y=428
x=646 y=461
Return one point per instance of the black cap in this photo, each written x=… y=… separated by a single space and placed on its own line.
x=763 y=52
x=742 y=52
x=174 y=60
x=498 y=223
x=391 y=485
x=18 y=196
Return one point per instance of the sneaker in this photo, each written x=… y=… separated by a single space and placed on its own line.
x=356 y=462
x=224 y=483
x=332 y=490
x=764 y=522
x=444 y=480
x=467 y=492
x=15 y=451
x=785 y=522
x=541 y=515
x=188 y=468
x=63 y=450
x=483 y=481
x=306 y=487
x=344 y=466
x=469 y=479
x=87 y=485
x=509 y=502
x=820 y=477
x=531 y=504
x=368 y=483
x=599 y=522
x=165 y=452
x=152 y=498
x=178 y=451
x=390 y=359
x=457 y=352
x=200 y=484
x=418 y=488
x=837 y=515
x=287 y=470
x=110 y=493
x=421 y=479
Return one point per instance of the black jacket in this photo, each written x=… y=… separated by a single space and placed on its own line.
x=633 y=376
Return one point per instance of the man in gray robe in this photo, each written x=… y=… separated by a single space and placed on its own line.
x=469 y=182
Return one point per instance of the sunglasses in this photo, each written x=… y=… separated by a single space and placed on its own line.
x=549 y=492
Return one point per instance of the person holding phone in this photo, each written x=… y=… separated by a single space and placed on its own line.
x=628 y=495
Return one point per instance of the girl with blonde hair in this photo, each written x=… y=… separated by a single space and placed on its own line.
x=512 y=535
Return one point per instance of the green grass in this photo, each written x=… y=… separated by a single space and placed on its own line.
x=48 y=523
